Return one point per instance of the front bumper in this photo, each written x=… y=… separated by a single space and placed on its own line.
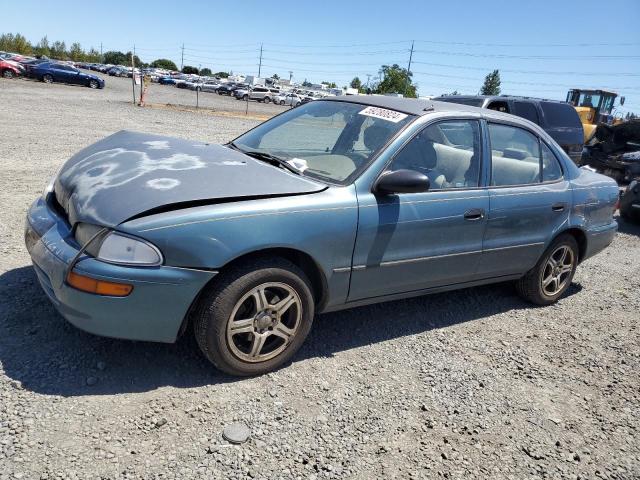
x=155 y=309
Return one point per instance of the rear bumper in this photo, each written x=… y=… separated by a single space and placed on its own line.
x=599 y=238
x=154 y=310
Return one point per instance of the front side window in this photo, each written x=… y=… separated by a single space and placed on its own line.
x=329 y=140
x=515 y=156
x=447 y=152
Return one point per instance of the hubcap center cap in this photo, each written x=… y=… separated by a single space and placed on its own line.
x=264 y=320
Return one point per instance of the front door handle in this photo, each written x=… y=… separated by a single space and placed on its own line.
x=474 y=214
x=558 y=207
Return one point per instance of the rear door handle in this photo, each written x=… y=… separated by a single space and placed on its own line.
x=558 y=207
x=474 y=214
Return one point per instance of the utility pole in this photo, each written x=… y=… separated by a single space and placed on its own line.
x=290 y=75
x=260 y=64
x=182 y=58
x=368 y=77
x=133 y=75
x=101 y=51
x=406 y=86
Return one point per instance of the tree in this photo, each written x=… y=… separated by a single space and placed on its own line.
x=76 y=53
x=15 y=44
x=164 y=63
x=113 y=57
x=42 y=48
x=306 y=83
x=356 y=83
x=93 y=56
x=205 y=71
x=396 y=80
x=330 y=84
x=58 y=50
x=221 y=74
x=491 y=84
x=455 y=92
x=275 y=76
x=189 y=69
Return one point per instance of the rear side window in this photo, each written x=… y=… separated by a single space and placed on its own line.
x=559 y=114
x=515 y=156
x=550 y=166
x=526 y=110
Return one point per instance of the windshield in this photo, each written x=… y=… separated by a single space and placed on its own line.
x=590 y=100
x=331 y=141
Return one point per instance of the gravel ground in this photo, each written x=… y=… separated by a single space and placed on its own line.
x=463 y=385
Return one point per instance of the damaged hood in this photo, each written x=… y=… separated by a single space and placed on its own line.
x=129 y=174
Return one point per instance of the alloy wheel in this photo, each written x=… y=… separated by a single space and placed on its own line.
x=264 y=322
x=557 y=271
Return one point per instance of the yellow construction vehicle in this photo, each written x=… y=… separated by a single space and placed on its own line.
x=594 y=107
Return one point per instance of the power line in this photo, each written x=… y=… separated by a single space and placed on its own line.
x=529 y=57
x=532 y=72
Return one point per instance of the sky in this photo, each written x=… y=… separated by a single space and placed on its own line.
x=542 y=48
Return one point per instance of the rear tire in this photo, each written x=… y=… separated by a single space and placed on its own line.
x=281 y=102
x=47 y=78
x=246 y=298
x=267 y=100
x=8 y=73
x=545 y=283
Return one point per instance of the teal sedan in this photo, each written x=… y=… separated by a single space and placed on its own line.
x=340 y=202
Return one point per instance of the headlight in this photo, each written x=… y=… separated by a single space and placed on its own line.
x=126 y=250
x=49 y=187
x=118 y=248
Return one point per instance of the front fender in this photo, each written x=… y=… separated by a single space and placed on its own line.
x=321 y=225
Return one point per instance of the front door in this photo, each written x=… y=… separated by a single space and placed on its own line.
x=410 y=242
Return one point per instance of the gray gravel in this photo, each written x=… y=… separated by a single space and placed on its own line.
x=463 y=385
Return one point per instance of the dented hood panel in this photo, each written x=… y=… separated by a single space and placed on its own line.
x=130 y=173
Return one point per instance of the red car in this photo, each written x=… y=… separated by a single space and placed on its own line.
x=8 y=70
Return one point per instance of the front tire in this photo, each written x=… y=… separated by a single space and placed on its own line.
x=7 y=73
x=47 y=78
x=267 y=100
x=254 y=317
x=545 y=283
x=93 y=84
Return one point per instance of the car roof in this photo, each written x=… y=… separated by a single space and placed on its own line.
x=420 y=107
x=501 y=97
x=413 y=106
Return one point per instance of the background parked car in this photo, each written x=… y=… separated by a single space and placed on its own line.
x=558 y=119
x=50 y=72
x=287 y=98
x=630 y=202
x=263 y=94
x=9 y=70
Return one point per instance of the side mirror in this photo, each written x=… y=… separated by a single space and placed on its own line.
x=402 y=181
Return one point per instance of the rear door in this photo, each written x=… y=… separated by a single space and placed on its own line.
x=529 y=200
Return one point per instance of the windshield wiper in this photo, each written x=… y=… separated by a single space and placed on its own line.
x=267 y=157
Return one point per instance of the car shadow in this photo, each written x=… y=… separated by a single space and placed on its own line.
x=41 y=352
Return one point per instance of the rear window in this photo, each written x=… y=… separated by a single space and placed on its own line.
x=526 y=110
x=560 y=114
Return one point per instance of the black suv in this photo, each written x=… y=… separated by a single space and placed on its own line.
x=559 y=119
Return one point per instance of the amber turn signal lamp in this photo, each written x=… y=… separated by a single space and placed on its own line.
x=99 y=287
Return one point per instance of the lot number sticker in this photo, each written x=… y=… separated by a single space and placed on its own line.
x=383 y=113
